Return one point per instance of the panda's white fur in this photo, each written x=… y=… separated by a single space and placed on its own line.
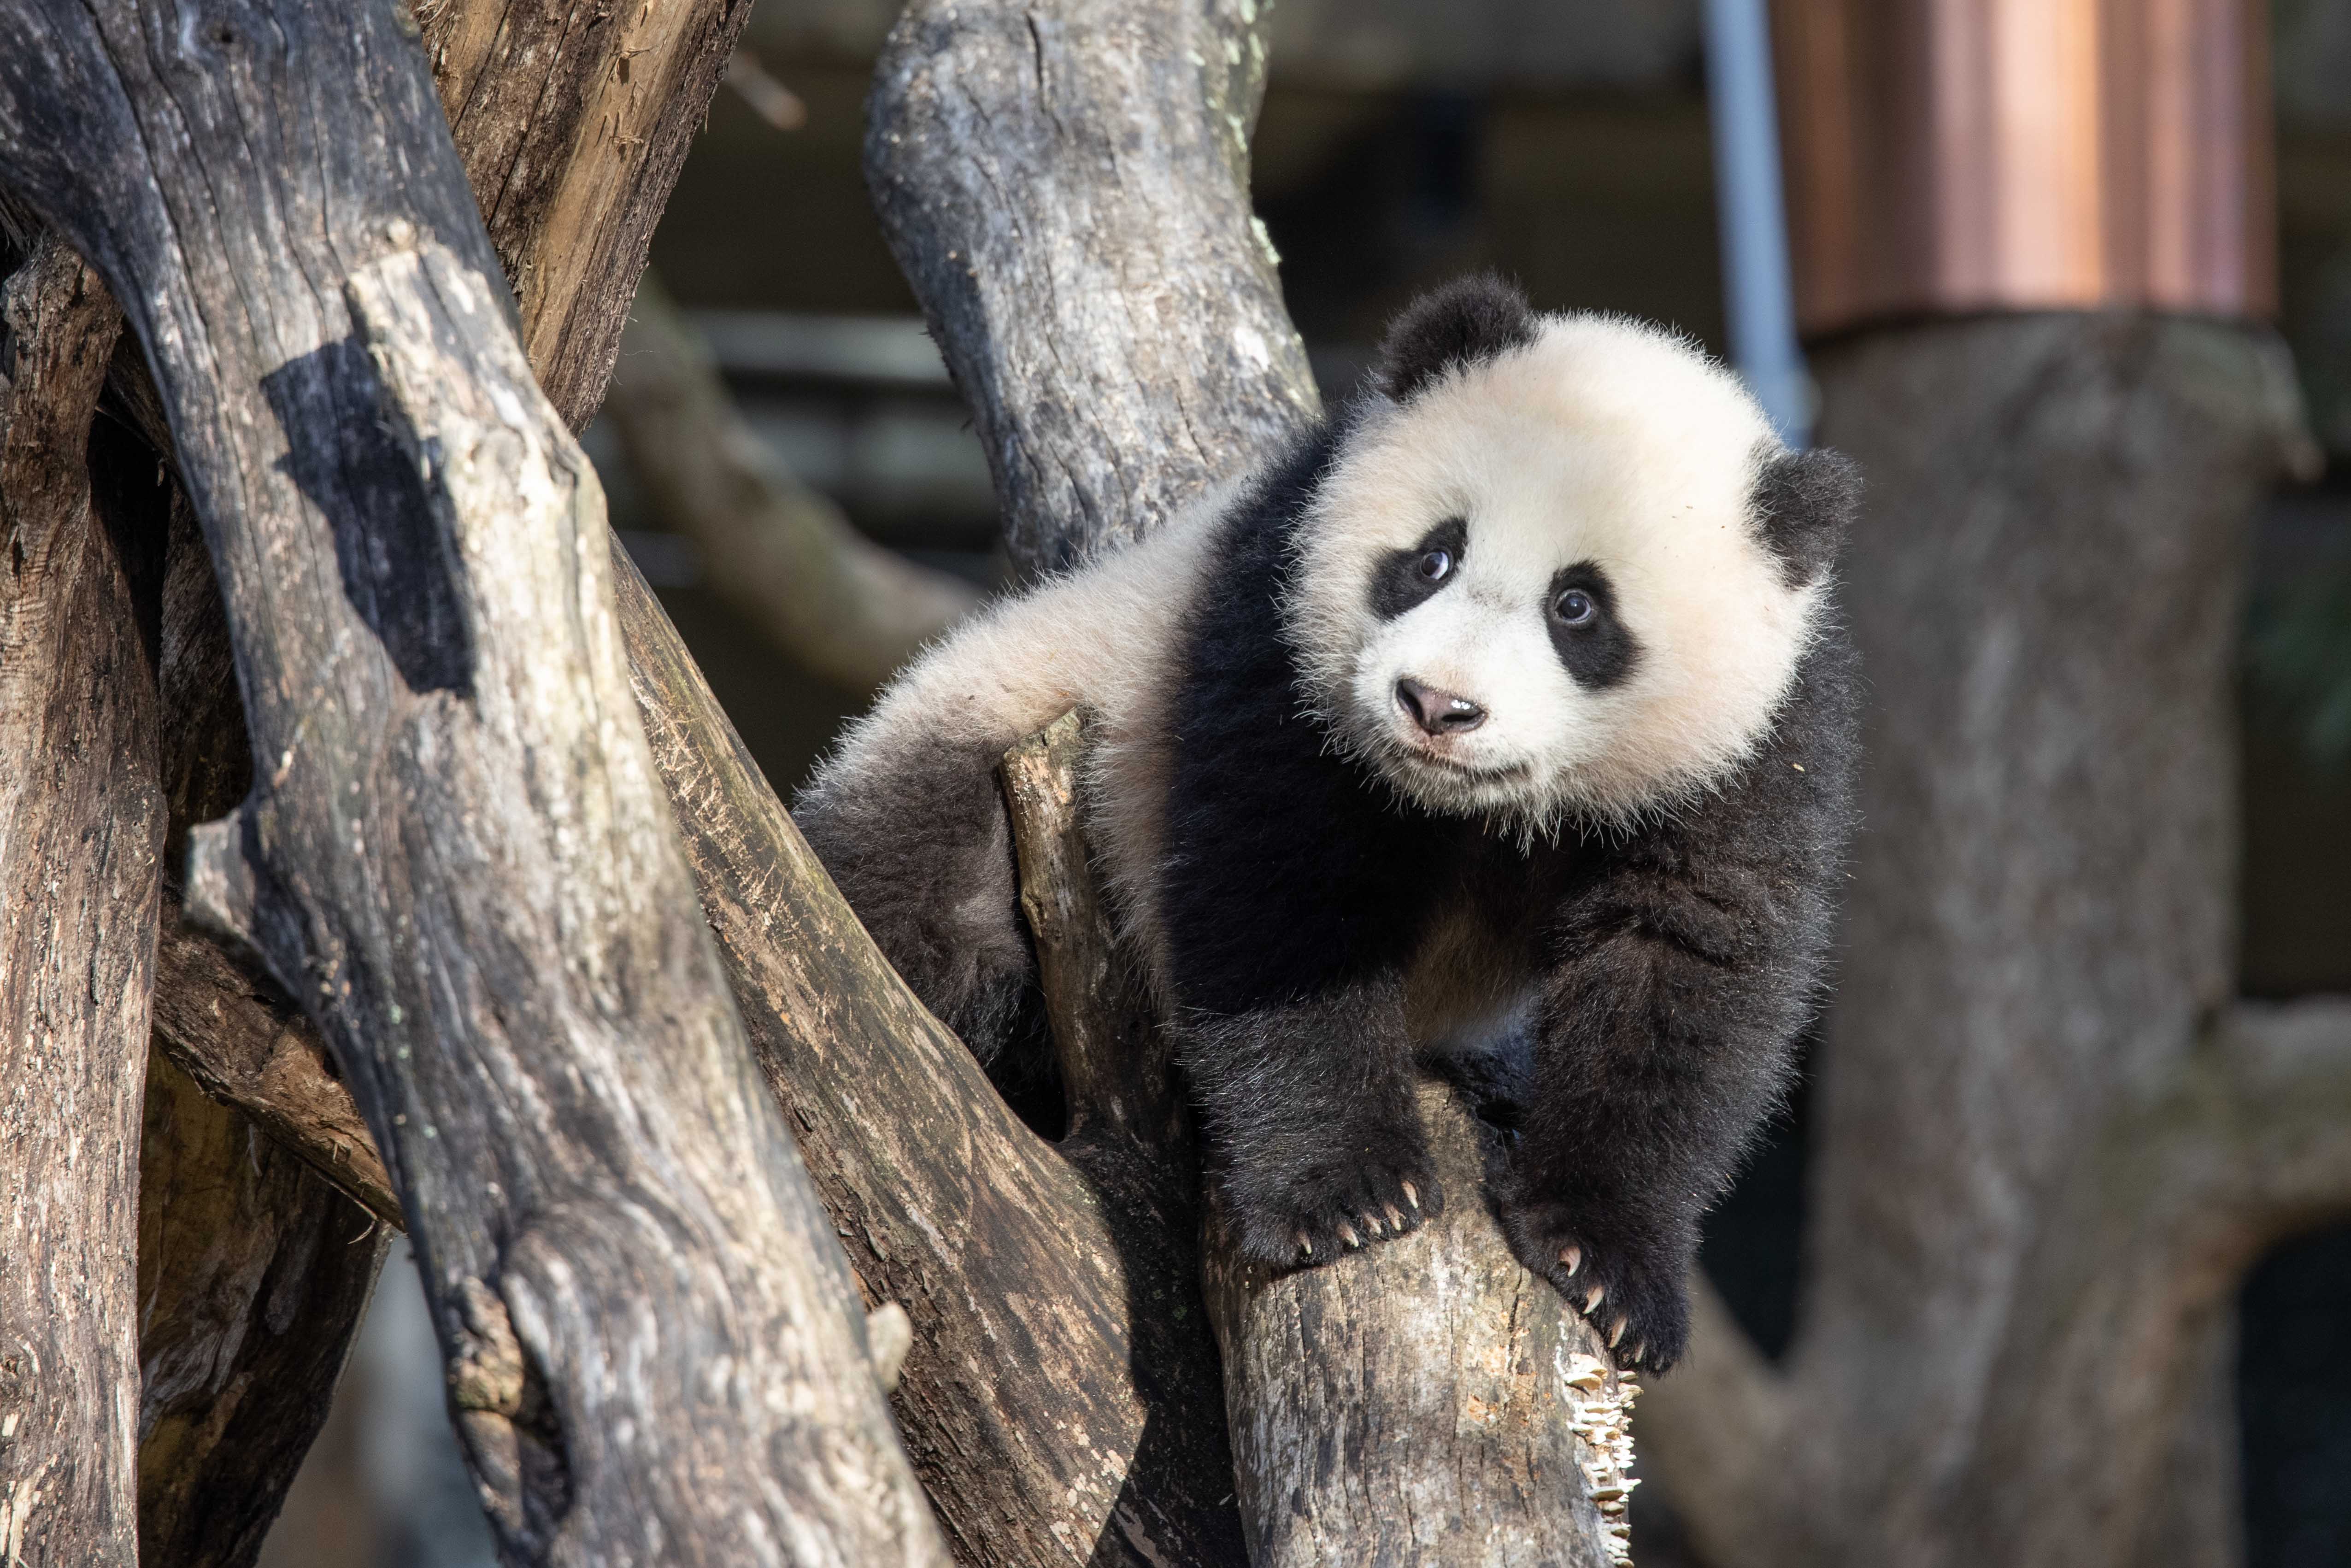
x=1329 y=773
x=1605 y=441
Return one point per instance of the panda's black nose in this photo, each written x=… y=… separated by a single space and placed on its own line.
x=1437 y=710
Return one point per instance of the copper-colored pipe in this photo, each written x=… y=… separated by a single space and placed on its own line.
x=1961 y=155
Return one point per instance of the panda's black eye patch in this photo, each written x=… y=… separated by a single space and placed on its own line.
x=1598 y=649
x=1405 y=577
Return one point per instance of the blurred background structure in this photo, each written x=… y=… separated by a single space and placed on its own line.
x=2074 y=159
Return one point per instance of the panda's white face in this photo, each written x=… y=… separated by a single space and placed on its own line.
x=1536 y=590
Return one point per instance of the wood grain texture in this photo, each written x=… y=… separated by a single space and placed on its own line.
x=2047 y=1144
x=253 y=1274
x=572 y=122
x=81 y=829
x=253 y=1277
x=1425 y=1401
x=453 y=854
x=1066 y=186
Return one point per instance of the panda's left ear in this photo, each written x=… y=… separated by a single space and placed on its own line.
x=1804 y=504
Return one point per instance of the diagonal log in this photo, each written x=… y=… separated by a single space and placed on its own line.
x=453 y=852
x=81 y=829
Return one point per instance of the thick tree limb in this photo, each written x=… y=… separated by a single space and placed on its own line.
x=452 y=851
x=1066 y=185
x=82 y=827
x=828 y=599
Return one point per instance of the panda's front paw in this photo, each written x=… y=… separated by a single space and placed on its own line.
x=1314 y=1211
x=1632 y=1289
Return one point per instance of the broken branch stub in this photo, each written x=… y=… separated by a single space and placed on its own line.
x=455 y=854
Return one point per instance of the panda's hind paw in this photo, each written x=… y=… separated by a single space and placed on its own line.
x=1630 y=1291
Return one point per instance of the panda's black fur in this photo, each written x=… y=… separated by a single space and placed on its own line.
x=1670 y=960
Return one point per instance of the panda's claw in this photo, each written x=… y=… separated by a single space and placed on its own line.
x=1395 y=1219
x=1637 y=1279
x=1412 y=1196
x=1347 y=1234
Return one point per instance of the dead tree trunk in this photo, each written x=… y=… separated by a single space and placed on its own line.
x=81 y=826
x=2048 y=1141
x=452 y=854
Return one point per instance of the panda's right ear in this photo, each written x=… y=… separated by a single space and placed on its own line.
x=1468 y=319
x=1805 y=503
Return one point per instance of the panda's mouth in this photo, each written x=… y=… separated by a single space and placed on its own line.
x=1506 y=773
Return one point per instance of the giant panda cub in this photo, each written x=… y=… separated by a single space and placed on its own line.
x=1505 y=720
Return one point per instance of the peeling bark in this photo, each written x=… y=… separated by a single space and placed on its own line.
x=82 y=827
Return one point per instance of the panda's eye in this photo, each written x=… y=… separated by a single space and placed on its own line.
x=1575 y=607
x=1436 y=566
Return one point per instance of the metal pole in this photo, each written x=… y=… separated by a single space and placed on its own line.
x=1758 y=295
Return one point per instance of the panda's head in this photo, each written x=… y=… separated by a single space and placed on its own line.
x=1559 y=566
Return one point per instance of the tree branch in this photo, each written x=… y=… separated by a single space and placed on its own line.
x=836 y=603
x=81 y=825
x=1066 y=186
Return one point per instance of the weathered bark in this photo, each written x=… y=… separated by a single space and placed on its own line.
x=80 y=823
x=252 y=1275
x=1066 y=186
x=1428 y=1402
x=229 y=1029
x=452 y=854
x=2046 y=1149
x=81 y=829
x=825 y=596
x=573 y=122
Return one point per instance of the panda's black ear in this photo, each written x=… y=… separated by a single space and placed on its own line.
x=1468 y=319
x=1805 y=502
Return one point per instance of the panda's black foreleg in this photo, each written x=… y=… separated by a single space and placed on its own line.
x=1654 y=1063
x=1315 y=1144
